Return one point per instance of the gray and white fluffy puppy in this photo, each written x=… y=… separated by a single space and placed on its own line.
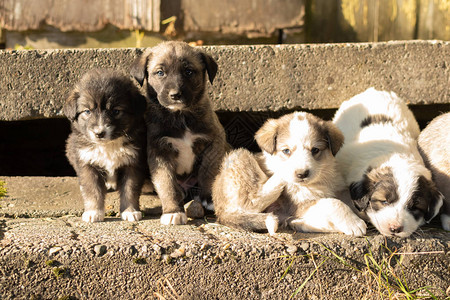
x=107 y=144
x=434 y=146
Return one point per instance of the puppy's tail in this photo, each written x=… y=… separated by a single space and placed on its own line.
x=250 y=221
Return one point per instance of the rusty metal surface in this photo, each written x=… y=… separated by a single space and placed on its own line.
x=81 y=15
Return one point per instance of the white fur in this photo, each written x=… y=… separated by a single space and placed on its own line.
x=445 y=219
x=391 y=144
x=328 y=211
x=271 y=224
x=174 y=219
x=131 y=216
x=109 y=155
x=208 y=205
x=186 y=156
x=371 y=102
x=91 y=216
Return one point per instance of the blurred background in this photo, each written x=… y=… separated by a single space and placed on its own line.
x=46 y=24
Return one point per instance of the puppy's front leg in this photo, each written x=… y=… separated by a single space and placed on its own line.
x=169 y=191
x=130 y=181
x=268 y=193
x=329 y=215
x=93 y=190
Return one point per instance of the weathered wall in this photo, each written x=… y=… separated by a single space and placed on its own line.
x=44 y=24
x=35 y=83
x=68 y=15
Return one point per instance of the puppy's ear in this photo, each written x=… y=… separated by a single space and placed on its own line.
x=334 y=136
x=70 y=107
x=211 y=66
x=266 y=136
x=139 y=67
x=435 y=198
x=359 y=191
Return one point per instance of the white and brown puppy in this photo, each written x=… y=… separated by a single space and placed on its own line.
x=185 y=138
x=434 y=145
x=381 y=164
x=292 y=182
x=107 y=143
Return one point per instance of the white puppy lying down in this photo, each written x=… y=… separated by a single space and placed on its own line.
x=381 y=164
x=292 y=182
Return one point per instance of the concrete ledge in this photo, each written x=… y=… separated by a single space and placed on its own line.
x=34 y=84
x=57 y=256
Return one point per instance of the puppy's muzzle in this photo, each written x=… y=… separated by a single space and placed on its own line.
x=395 y=228
x=99 y=132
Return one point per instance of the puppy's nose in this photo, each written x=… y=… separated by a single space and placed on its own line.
x=99 y=132
x=175 y=95
x=302 y=174
x=395 y=228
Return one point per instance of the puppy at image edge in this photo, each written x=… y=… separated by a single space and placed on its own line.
x=381 y=164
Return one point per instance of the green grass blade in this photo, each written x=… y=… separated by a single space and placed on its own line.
x=307 y=279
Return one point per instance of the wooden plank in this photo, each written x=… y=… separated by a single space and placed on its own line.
x=252 y=17
x=380 y=20
x=83 y=15
x=434 y=20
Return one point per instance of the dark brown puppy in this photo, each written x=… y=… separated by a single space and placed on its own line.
x=184 y=136
x=107 y=143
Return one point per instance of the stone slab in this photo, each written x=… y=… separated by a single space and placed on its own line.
x=55 y=255
x=39 y=197
x=35 y=83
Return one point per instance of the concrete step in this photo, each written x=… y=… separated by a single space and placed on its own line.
x=47 y=252
x=35 y=83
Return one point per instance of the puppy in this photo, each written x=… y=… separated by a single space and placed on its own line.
x=107 y=144
x=292 y=182
x=382 y=167
x=434 y=146
x=186 y=141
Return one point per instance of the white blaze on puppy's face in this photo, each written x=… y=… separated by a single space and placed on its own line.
x=299 y=152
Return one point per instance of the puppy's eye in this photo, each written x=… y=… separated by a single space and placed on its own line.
x=86 y=112
x=315 y=150
x=286 y=151
x=189 y=72
x=115 y=112
x=160 y=73
x=383 y=202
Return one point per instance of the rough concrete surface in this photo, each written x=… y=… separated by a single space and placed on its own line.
x=54 y=255
x=35 y=83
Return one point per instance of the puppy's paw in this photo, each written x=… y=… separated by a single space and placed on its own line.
x=445 y=219
x=208 y=205
x=91 y=216
x=174 y=219
x=272 y=224
x=131 y=216
x=352 y=225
